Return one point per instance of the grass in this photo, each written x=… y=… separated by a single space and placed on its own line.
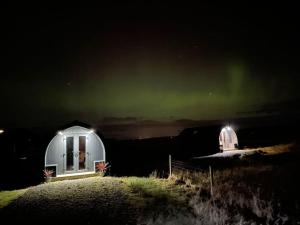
x=111 y=200
x=256 y=192
x=275 y=149
x=154 y=195
x=279 y=149
x=6 y=197
x=232 y=202
x=152 y=187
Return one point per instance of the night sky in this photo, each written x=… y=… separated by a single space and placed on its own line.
x=148 y=62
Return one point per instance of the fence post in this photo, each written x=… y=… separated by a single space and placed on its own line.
x=211 y=180
x=170 y=166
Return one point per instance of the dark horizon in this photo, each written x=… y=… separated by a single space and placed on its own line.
x=132 y=128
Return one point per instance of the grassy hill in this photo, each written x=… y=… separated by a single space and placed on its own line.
x=95 y=200
x=253 y=189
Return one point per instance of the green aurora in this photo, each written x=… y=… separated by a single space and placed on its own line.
x=65 y=65
x=151 y=92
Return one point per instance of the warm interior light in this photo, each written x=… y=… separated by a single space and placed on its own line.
x=1 y=131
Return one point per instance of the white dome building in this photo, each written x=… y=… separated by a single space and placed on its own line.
x=228 y=139
x=75 y=150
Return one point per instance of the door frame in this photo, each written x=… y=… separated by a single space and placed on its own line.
x=75 y=152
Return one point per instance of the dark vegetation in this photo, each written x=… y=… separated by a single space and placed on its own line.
x=260 y=188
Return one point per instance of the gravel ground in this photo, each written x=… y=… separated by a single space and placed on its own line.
x=90 y=201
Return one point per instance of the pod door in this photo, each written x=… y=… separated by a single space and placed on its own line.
x=82 y=153
x=75 y=159
x=70 y=156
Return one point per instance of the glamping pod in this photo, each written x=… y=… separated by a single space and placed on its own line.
x=75 y=150
x=228 y=139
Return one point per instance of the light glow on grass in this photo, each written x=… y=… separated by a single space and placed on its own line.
x=6 y=197
x=147 y=192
